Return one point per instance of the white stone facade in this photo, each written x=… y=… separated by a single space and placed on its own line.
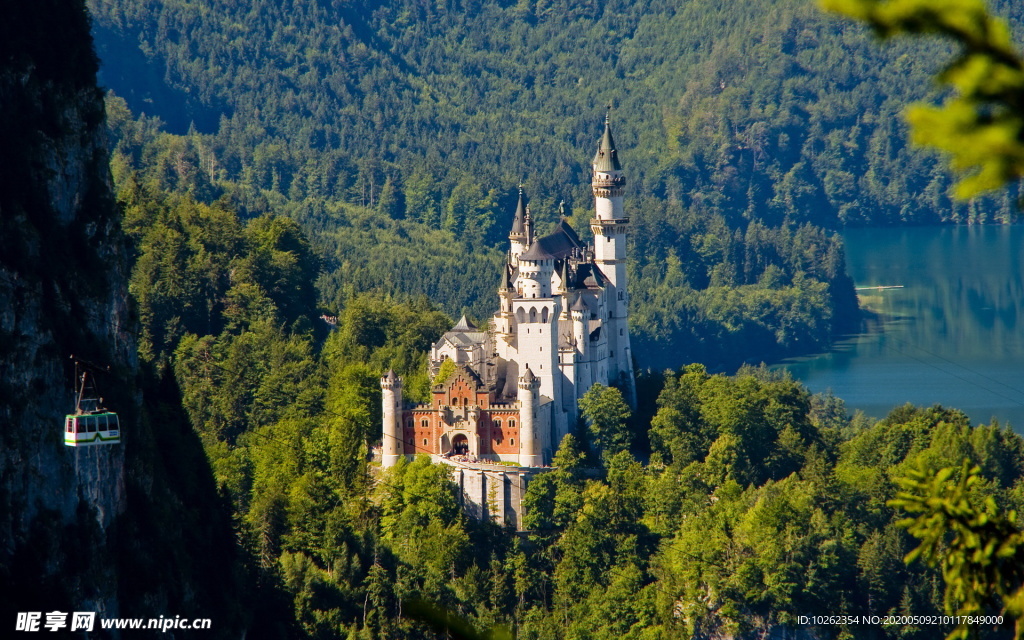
x=561 y=327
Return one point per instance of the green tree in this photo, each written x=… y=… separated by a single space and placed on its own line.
x=607 y=416
x=678 y=434
x=553 y=498
x=981 y=124
x=283 y=264
x=983 y=563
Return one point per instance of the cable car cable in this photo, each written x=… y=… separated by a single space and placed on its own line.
x=958 y=377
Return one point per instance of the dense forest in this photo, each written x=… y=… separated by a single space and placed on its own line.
x=435 y=111
x=407 y=127
x=359 y=162
x=724 y=506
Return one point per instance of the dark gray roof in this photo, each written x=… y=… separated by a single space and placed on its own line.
x=588 y=276
x=462 y=338
x=528 y=376
x=565 y=275
x=519 y=221
x=563 y=226
x=607 y=156
x=465 y=325
x=506 y=277
x=555 y=246
x=579 y=305
x=466 y=372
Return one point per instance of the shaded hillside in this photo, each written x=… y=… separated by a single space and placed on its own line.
x=768 y=109
x=133 y=529
x=396 y=136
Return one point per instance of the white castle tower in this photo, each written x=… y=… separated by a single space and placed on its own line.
x=529 y=447
x=609 y=226
x=521 y=236
x=391 y=406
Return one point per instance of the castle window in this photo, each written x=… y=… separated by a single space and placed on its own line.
x=512 y=441
x=512 y=424
x=424 y=423
x=544 y=315
x=424 y=442
x=533 y=314
x=620 y=332
x=497 y=423
x=621 y=296
x=410 y=440
x=520 y=316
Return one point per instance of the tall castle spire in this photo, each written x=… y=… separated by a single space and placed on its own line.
x=521 y=236
x=607 y=157
x=607 y=180
x=519 y=221
x=610 y=225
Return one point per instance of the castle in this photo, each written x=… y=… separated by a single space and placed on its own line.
x=560 y=328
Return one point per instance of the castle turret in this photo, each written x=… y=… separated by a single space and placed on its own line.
x=503 y=318
x=607 y=179
x=391 y=405
x=536 y=267
x=529 y=444
x=609 y=226
x=521 y=235
x=581 y=336
x=564 y=279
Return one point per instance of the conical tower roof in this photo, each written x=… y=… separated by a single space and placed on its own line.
x=519 y=221
x=607 y=157
x=464 y=325
x=564 y=275
x=528 y=376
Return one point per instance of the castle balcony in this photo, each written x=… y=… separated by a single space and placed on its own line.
x=608 y=182
x=608 y=223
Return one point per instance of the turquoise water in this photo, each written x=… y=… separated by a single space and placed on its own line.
x=951 y=335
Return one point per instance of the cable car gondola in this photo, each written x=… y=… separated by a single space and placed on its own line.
x=90 y=423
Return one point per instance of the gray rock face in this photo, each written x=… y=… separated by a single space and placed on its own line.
x=63 y=291
x=134 y=529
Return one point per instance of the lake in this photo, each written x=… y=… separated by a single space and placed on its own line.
x=951 y=334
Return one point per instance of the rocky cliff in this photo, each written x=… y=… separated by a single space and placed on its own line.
x=133 y=529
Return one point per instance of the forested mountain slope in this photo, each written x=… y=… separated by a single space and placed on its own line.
x=766 y=109
x=130 y=529
x=397 y=134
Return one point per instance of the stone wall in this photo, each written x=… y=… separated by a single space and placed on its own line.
x=493 y=491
